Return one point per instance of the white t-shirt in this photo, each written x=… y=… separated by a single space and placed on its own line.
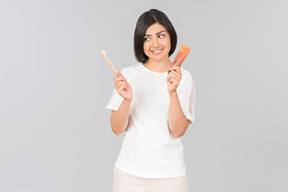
x=149 y=149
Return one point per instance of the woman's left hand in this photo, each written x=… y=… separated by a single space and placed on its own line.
x=173 y=79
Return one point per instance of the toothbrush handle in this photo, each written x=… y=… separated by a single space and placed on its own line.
x=110 y=64
x=104 y=55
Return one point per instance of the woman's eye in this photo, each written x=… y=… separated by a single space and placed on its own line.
x=161 y=35
x=146 y=38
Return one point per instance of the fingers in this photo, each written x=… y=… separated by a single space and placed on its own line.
x=121 y=83
x=122 y=89
x=174 y=75
x=175 y=68
x=119 y=77
x=173 y=80
x=122 y=86
x=118 y=74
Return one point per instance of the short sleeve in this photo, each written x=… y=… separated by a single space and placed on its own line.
x=187 y=97
x=115 y=101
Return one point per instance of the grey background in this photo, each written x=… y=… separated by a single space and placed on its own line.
x=54 y=85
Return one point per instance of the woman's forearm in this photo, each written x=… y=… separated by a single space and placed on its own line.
x=177 y=121
x=120 y=118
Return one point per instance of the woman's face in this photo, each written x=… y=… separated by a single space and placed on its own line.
x=157 y=43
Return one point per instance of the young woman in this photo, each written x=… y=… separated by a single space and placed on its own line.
x=154 y=108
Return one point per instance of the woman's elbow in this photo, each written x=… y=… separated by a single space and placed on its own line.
x=116 y=130
x=178 y=134
x=117 y=133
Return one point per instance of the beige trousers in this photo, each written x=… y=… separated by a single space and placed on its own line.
x=124 y=182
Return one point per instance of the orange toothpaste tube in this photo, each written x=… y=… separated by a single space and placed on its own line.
x=181 y=55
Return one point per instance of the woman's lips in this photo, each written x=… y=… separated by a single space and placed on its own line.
x=157 y=52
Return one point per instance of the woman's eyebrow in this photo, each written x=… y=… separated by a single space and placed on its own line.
x=160 y=32
x=156 y=33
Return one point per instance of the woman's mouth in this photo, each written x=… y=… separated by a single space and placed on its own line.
x=157 y=52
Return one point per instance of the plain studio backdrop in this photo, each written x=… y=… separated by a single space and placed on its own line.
x=55 y=132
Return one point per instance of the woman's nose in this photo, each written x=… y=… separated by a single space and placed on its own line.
x=155 y=43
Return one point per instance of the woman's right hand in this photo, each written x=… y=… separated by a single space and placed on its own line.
x=123 y=87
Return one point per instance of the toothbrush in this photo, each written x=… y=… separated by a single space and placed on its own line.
x=103 y=52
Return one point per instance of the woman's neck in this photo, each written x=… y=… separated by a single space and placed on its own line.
x=159 y=66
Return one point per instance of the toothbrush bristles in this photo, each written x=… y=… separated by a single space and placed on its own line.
x=103 y=51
